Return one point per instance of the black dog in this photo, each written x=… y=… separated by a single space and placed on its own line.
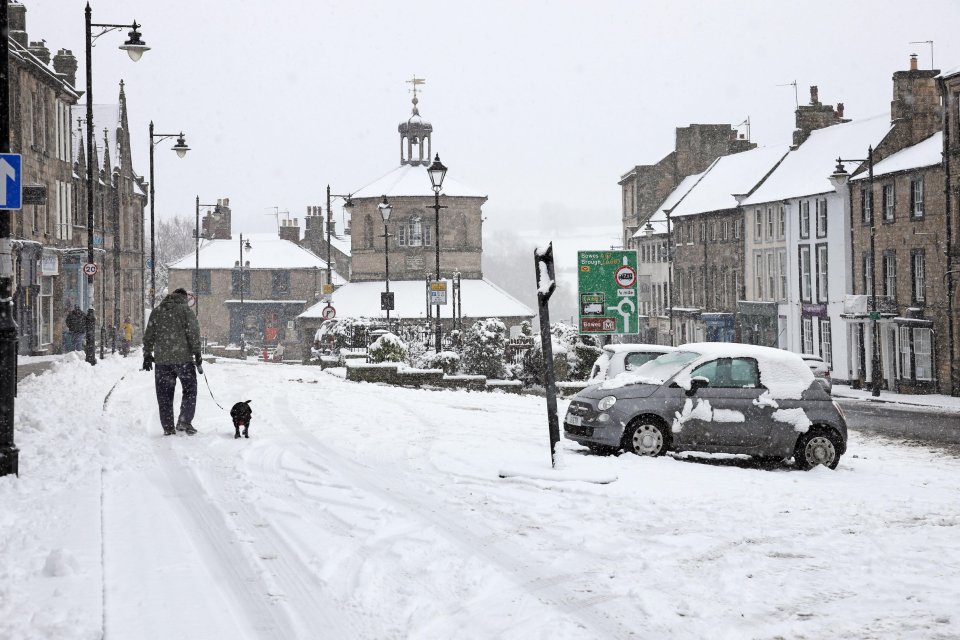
x=241 y=418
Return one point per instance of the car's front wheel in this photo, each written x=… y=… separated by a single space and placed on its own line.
x=646 y=437
x=816 y=447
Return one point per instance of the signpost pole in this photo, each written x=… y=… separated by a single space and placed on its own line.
x=9 y=454
x=546 y=284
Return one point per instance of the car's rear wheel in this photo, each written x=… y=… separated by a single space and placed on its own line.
x=646 y=437
x=817 y=447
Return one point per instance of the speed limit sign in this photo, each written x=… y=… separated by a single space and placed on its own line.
x=90 y=269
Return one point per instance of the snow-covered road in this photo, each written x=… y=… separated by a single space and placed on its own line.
x=365 y=511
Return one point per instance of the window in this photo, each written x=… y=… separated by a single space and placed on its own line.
x=821 y=217
x=64 y=210
x=918 y=265
x=770 y=232
x=691 y=286
x=736 y=229
x=736 y=284
x=890 y=275
x=904 y=359
x=822 y=278
x=281 y=282
x=805 y=274
x=782 y=291
x=867 y=274
x=866 y=205
x=368 y=232
x=201 y=281
x=807 y=325
x=826 y=342
x=633 y=360
x=922 y=352
x=772 y=276
x=713 y=232
x=782 y=223
x=758 y=276
x=916 y=198
x=703 y=232
x=888 y=202
x=689 y=233
x=730 y=373
x=726 y=229
x=758 y=226
x=235 y=282
x=45 y=308
x=805 y=219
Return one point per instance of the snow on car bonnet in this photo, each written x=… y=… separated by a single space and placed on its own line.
x=783 y=373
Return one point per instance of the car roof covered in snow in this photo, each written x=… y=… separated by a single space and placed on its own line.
x=783 y=373
x=638 y=348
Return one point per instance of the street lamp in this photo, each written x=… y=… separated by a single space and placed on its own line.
x=243 y=319
x=196 y=268
x=181 y=148
x=839 y=178
x=135 y=47
x=385 y=211
x=348 y=204
x=437 y=171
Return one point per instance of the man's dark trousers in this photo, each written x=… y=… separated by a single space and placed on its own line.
x=165 y=376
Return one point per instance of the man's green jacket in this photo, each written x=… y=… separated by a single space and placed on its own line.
x=173 y=333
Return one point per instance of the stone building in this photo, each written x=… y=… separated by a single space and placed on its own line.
x=51 y=239
x=906 y=212
x=412 y=236
x=280 y=279
x=949 y=87
x=645 y=187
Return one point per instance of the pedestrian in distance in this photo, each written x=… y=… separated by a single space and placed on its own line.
x=76 y=324
x=127 y=336
x=172 y=341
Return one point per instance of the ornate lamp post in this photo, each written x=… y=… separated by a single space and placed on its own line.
x=181 y=148
x=243 y=319
x=385 y=211
x=437 y=171
x=135 y=47
x=348 y=204
x=673 y=341
x=839 y=178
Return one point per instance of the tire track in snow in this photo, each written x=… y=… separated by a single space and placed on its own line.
x=474 y=537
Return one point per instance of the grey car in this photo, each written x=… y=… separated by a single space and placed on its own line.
x=716 y=398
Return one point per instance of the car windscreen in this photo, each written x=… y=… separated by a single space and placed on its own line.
x=669 y=364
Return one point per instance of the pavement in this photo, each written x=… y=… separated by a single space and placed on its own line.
x=931 y=400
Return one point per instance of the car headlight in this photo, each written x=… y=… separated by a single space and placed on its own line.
x=606 y=402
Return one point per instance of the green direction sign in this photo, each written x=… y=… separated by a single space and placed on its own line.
x=608 y=292
x=874 y=315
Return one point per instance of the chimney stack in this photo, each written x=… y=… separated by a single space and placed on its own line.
x=815 y=116
x=39 y=49
x=290 y=230
x=17 y=23
x=915 y=108
x=65 y=64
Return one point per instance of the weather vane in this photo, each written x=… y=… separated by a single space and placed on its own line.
x=416 y=82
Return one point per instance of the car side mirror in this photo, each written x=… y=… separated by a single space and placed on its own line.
x=697 y=383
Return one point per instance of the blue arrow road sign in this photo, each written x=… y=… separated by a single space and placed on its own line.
x=11 y=183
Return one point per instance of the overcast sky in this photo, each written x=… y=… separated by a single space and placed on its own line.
x=542 y=105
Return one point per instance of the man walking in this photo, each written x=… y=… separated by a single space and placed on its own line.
x=76 y=327
x=172 y=340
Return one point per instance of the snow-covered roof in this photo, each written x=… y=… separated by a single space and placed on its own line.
x=267 y=252
x=738 y=173
x=479 y=299
x=806 y=170
x=410 y=180
x=923 y=154
x=659 y=218
x=950 y=72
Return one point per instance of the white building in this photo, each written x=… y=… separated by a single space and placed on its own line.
x=797 y=248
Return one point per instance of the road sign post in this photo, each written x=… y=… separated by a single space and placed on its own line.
x=608 y=292
x=546 y=285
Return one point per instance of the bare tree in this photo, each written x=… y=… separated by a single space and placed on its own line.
x=174 y=240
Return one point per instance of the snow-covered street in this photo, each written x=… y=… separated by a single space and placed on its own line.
x=367 y=511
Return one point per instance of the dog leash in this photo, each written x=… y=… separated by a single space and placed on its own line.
x=210 y=390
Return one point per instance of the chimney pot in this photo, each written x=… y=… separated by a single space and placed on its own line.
x=913 y=62
x=814 y=95
x=839 y=110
